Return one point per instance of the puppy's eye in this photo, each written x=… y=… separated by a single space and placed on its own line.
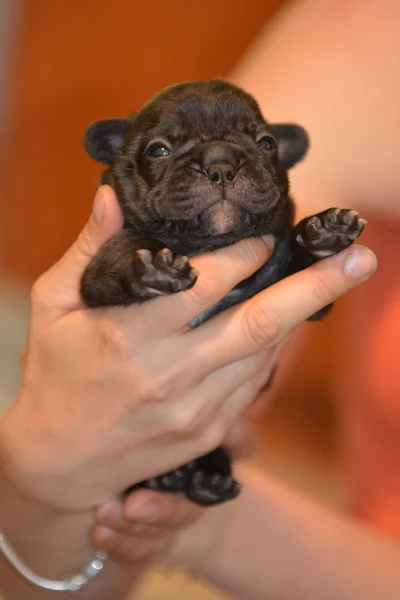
x=267 y=143
x=157 y=150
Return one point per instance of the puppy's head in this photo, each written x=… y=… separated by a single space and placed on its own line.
x=199 y=162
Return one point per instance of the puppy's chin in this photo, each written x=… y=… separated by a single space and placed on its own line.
x=222 y=217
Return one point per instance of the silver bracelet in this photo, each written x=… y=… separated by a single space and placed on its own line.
x=72 y=584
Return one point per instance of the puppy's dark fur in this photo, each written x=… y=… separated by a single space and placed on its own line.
x=196 y=169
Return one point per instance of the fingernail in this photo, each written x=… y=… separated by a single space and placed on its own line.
x=360 y=263
x=269 y=240
x=143 y=512
x=103 y=534
x=112 y=511
x=98 y=206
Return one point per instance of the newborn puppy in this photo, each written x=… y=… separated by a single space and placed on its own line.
x=199 y=168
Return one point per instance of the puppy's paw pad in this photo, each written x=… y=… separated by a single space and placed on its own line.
x=208 y=490
x=143 y=260
x=164 y=258
x=330 y=232
x=164 y=272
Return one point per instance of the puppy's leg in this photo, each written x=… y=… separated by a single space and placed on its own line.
x=323 y=235
x=130 y=269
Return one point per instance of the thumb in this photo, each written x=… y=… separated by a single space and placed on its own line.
x=61 y=283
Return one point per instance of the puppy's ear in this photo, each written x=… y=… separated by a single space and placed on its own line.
x=292 y=143
x=103 y=139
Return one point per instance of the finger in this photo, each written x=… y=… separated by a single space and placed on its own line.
x=215 y=422
x=218 y=273
x=169 y=511
x=59 y=287
x=216 y=388
x=127 y=549
x=223 y=382
x=139 y=531
x=264 y=320
x=150 y=508
x=110 y=516
x=264 y=399
x=229 y=410
x=243 y=439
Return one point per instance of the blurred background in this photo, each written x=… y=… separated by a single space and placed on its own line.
x=64 y=64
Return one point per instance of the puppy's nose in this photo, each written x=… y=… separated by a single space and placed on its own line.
x=221 y=172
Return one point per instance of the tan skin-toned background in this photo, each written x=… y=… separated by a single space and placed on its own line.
x=75 y=62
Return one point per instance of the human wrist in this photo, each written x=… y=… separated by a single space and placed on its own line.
x=21 y=460
x=54 y=544
x=51 y=541
x=35 y=467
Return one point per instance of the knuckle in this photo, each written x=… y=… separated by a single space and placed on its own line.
x=161 y=384
x=213 y=436
x=155 y=389
x=183 y=421
x=263 y=326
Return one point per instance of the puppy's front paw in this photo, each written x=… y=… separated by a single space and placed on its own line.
x=208 y=490
x=163 y=272
x=330 y=231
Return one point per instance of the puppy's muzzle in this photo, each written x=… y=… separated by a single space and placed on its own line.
x=221 y=172
x=219 y=160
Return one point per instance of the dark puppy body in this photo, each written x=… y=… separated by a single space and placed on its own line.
x=198 y=168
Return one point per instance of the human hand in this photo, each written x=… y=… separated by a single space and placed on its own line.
x=142 y=527
x=175 y=392
x=123 y=391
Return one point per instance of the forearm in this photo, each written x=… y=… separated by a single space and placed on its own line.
x=54 y=546
x=279 y=544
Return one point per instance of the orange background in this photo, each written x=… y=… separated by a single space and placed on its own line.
x=78 y=61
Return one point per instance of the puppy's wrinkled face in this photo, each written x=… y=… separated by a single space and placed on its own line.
x=201 y=160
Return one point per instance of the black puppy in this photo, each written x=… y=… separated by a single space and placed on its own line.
x=196 y=169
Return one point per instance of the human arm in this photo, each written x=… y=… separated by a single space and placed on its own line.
x=277 y=543
x=271 y=542
x=334 y=68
